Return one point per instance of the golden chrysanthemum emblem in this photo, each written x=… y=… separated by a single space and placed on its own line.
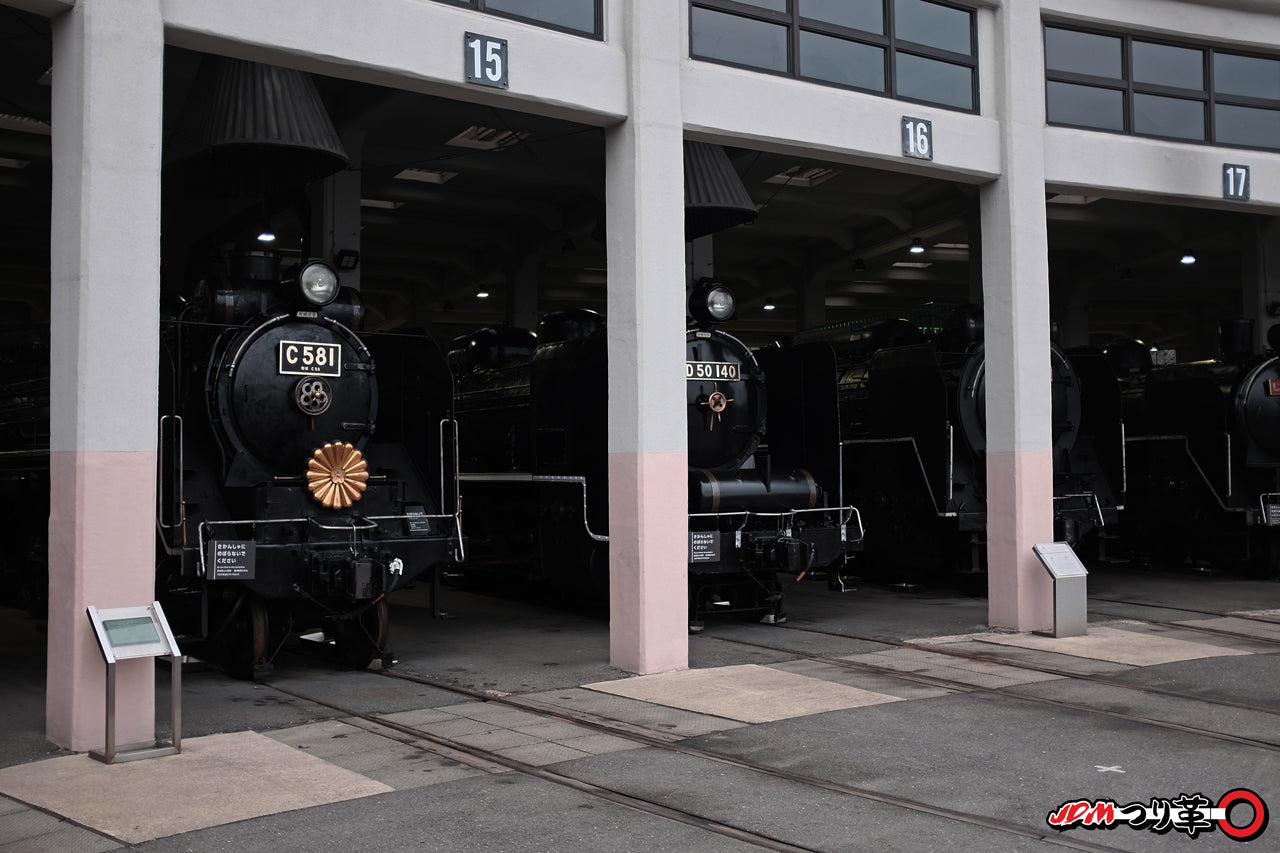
x=337 y=475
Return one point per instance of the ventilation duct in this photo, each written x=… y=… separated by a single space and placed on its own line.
x=714 y=195
x=251 y=130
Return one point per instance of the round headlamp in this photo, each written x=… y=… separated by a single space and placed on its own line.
x=711 y=303
x=319 y=282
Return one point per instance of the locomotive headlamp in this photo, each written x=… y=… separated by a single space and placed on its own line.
x=711 y=302
x=319 y=282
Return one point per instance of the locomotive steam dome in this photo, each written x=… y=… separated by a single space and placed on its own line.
x=284 y=388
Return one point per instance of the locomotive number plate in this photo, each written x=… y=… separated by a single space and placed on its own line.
x=727 y=371
x=308 y=358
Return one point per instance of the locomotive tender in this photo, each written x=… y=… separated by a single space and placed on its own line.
x=1204 y=454
x=913 y=423
x=762 y=505
x=307 y=471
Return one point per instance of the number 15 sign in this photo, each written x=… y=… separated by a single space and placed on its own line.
x=484 y=60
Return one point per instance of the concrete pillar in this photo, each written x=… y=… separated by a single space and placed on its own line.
x=648 y=468
x=522 y=292
x=1015 y=290
x=107 y=86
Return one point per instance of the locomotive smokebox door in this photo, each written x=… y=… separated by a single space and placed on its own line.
x=285 y=388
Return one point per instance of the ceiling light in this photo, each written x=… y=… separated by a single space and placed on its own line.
x=266 y=237
x=917 y=246
x=859 y=265
x=799 y=176
x=482 y=294
x=487 y=138
x=380 y=203
x=1188 y=259
x=769 y=306
x=426 y=176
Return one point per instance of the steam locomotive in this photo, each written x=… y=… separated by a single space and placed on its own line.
x=1204 y=454
x=307 y=471
x=24 y=463
x=912 y=415
x=532 y=411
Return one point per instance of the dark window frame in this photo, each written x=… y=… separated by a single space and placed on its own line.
x=1128 y=87
x=481 y=6
x=887 y=42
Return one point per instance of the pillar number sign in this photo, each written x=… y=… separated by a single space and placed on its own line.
x=1235 y=181
x=484 y=60
x=917 y=138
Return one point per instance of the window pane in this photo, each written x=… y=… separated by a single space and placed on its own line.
x=865 y=15
x=1176 y=117
x=1246 y=75
x=735 y=39
x=570 y=14
x=841 y=61
x=937 y=26
x=1081 y=53
x=1166 y=65
x=930 y=80
x=775 y=5
x=1246 y=126
x=1086 y=106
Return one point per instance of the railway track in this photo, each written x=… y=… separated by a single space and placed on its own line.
x=494 y=762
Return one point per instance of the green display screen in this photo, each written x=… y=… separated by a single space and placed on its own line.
x=127 y=632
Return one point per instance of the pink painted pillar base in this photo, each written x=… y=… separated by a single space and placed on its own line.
x=648 y=561
x=1019 y=516
x=101 y=553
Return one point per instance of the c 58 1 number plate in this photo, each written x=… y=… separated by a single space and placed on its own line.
x=724 y=371
x=308 y=358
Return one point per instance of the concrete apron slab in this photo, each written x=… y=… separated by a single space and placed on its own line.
x=231 y=776
x=748 y=693
x=1135 y=648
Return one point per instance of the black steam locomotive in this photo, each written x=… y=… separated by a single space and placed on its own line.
x=533 y=412
x=306 y=471
x=1203 y=453
x=24 y=464
x=913 y=423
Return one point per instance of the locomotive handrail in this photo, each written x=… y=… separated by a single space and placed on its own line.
x=924 y=475
x=846 y=513
x=457 y=473
x=352 y=525
x=160 y=502
x=1262 y=506
x=309 y=519
x=527 y=477
x=263 y=326
x=1186 y=447
x=1091 y=496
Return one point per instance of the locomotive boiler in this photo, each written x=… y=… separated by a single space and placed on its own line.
x=1204 y=455
x=764 y=505
x=913 y=422
x=307 y=470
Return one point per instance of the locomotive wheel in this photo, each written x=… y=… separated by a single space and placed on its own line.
x=244 y=648
x=358 y=641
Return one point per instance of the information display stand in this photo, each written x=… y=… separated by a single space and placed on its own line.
x=1070 y=605
x=137 y=632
